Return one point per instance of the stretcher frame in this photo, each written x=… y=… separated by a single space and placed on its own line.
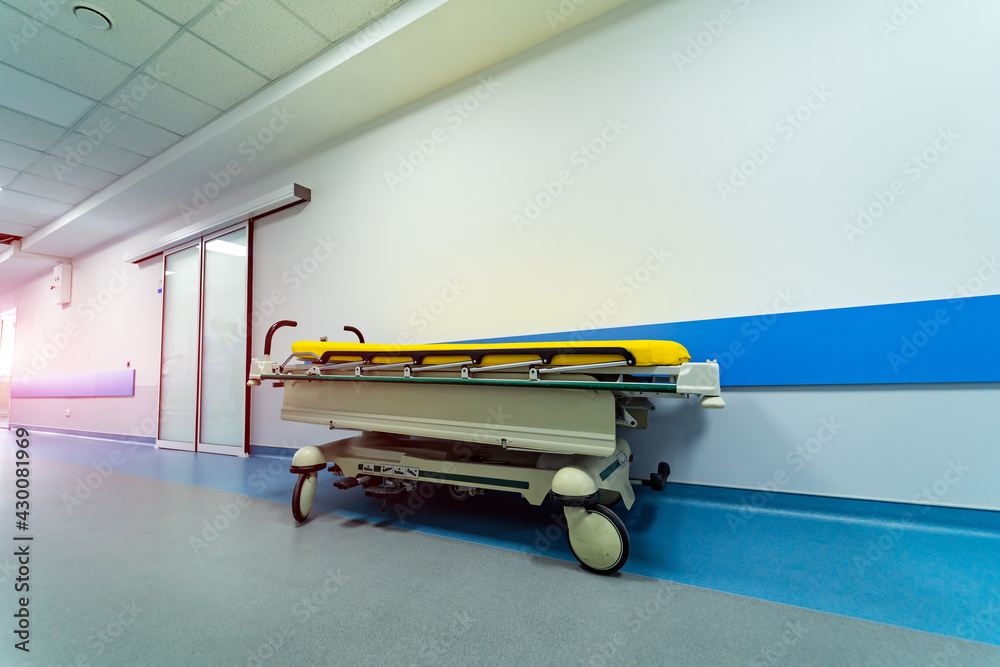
x=419 y=421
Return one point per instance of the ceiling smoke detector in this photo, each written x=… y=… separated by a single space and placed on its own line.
x=92 y=16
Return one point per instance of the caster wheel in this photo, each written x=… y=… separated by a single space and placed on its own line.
x=608 y=498
x=303 y=496
x=598 y=539
x=459 y=493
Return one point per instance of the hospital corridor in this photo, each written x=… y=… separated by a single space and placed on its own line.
x=482 y=332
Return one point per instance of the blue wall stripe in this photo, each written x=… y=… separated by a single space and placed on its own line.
x=946 y=340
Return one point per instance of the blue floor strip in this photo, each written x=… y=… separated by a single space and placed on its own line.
x=926 y=568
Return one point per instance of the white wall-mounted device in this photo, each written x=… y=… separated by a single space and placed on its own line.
x=62 y=283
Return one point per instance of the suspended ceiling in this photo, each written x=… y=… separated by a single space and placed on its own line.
x=154 y=113
x=80 y=107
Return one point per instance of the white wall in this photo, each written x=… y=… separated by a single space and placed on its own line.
x=675 y=130
x=656 y=185
x=112 y=321
x=878 y=101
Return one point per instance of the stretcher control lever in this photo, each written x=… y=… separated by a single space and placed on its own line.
x=657 y=480
x=351 y=482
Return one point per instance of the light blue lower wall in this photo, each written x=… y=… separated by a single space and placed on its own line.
x=906 y=443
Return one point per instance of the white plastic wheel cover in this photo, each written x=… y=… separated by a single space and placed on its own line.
x=308 y=495
x=596 y=541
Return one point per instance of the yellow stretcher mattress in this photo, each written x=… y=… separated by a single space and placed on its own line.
x=645 y=352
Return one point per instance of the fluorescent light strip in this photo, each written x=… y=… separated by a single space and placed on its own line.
x=226 y=248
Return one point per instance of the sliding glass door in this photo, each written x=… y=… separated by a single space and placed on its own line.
x=179 y=351
x=224 y=344
x=203 y=392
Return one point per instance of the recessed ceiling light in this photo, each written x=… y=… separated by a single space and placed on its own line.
x=93 y=17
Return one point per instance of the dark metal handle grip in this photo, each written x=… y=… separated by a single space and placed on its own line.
x=361 y=339
x=270 y=332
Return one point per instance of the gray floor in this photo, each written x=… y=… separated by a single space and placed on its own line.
x=119 y=582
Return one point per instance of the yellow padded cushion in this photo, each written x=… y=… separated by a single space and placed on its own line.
x=646 y=352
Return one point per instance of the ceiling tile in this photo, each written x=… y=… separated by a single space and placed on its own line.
x=137 y=32
x=41 y=99
x=17 y=229
x=127 y=131
x=205 y=72
x=45 y=187
x=59 y=59
x=78 y=149
x=81 y=175
x=16 y=157
x=26 y=131
x=182 y=11
x=285 y=42
x=174 y=110
x=7 y=175
x=337 y=19
x=21 y=207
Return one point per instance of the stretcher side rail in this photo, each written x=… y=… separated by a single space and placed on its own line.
x=655 y=388
x=688 y=379
x=476 y=355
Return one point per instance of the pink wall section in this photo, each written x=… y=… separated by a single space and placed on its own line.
x=113 y=320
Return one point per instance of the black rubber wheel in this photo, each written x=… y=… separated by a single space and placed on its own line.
x=622 y=535
x=608 y=498
x=297 y=498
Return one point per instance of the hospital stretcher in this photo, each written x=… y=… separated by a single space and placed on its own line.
x=537 y=419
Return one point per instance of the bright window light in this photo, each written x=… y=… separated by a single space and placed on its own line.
x=169 y=273
x=226 y=248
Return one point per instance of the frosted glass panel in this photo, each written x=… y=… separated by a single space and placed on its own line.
x=179 y=370
x=223 y=379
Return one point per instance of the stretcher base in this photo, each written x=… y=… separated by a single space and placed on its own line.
x=388 y=467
